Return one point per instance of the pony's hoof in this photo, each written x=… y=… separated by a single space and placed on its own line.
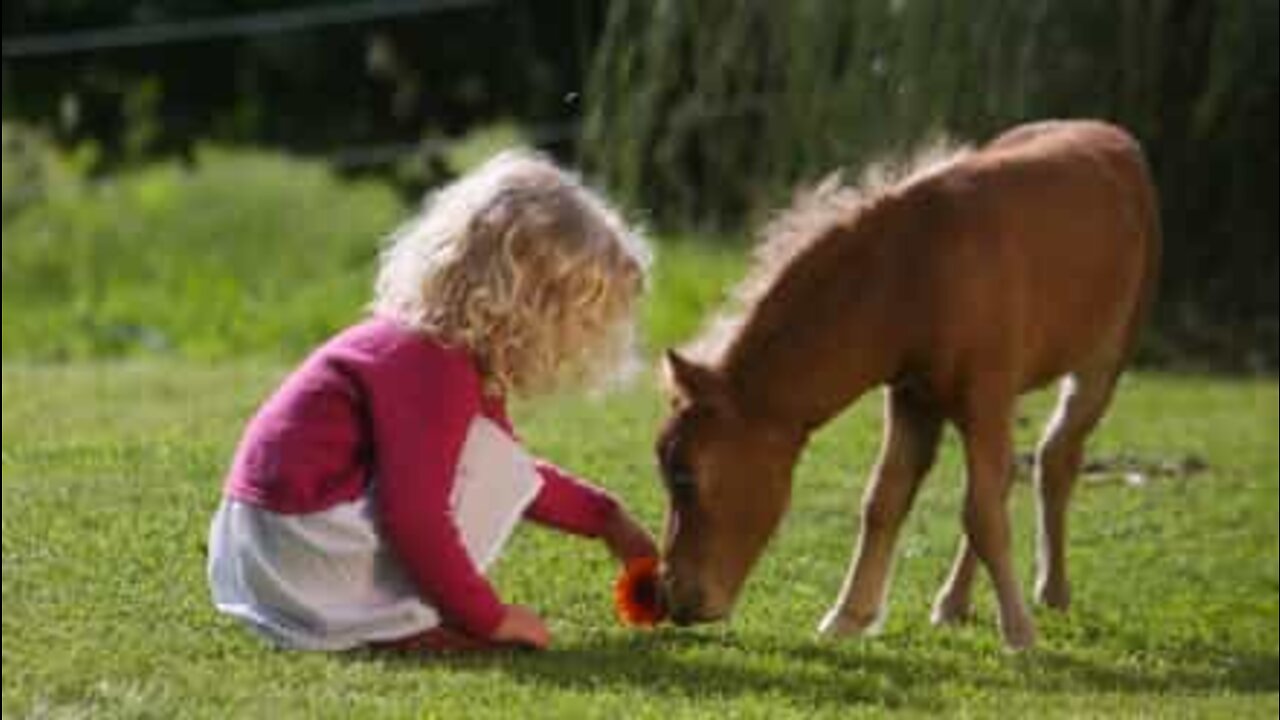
x=837 y=625
x=1019 y=636
x=947 y=612
x=1055 y=596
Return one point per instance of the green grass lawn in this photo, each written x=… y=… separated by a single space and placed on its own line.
x=111 y=471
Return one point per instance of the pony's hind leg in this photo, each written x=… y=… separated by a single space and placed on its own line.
x=1082 y=400
x=953 y=604
x=912 y=427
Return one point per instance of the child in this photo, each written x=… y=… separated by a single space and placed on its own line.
x=372 y=488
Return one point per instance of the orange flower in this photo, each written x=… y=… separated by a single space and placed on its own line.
x=636 y=596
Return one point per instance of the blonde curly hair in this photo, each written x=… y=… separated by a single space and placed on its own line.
x=528 y=269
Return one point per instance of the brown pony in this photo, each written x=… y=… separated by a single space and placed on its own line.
x=984 y=275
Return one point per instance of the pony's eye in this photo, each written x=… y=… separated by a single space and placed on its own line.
x=681 y=484
x=675 y=470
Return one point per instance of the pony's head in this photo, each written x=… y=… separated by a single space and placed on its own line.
x=728 y=480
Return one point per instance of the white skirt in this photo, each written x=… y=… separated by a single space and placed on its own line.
x=327 y=580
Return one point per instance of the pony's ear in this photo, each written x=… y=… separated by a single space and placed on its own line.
x=691 y=380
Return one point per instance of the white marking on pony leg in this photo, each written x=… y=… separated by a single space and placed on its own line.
x=842 y=620
x=1046 y=585
x=954 y=601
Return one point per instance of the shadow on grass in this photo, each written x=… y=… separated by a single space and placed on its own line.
x=703 y=666
x=1110 y=656
x=698 y=667
x=1055 y=671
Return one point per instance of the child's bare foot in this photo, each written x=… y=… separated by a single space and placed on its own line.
x=522 y=626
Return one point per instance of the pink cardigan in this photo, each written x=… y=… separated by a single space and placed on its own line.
x=380 y=400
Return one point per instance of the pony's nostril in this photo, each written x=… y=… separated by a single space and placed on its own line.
x=682 y=601
x=665 y=589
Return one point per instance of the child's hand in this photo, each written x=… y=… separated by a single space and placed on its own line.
x=522 y=626
x=627 y=540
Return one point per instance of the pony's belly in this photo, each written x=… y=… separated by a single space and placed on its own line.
x=1095 y=338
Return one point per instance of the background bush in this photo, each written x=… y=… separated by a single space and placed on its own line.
x=241 y=251
x=708 y=113
x=236 y=253
x=701 y=116
x=344 y=91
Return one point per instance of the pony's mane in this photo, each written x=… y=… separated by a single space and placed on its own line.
x=815 y=211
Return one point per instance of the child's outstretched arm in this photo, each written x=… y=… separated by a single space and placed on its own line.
x=576 y=506
x=628 y=540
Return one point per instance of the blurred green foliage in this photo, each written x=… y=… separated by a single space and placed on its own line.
x=340 y=89
x=236 y=253
x=691 y=278
x=240 y=251
x=702 y=117
x=34 y=171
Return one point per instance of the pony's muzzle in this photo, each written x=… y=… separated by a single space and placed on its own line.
x=683 y=601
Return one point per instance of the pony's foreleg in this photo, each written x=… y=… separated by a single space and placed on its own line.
x=988 y=456
x=912 y=427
